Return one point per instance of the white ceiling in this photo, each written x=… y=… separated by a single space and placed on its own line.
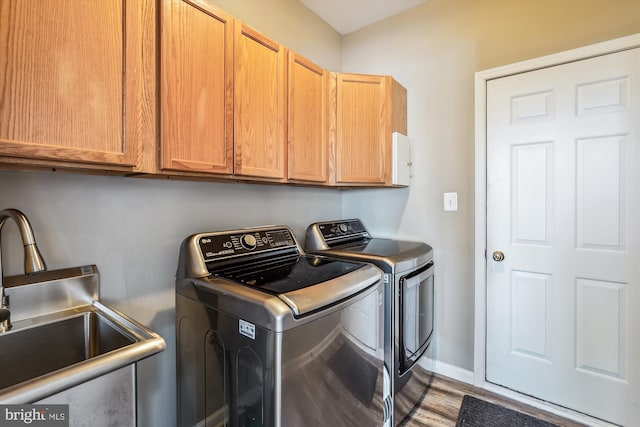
x=347 y=16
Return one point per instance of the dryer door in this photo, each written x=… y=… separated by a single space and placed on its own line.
x=416 y=315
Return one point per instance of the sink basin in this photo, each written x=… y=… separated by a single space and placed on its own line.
x=38 y=350
x=64 y=336
x=50 y=353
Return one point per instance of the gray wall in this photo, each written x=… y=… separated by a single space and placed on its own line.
x=434 y=51
x=292 y=24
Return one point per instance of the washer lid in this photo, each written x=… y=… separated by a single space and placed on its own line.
x=392 y=256
x=310 y=299
x=286 y=274
x=304 y=283
x=348 y=239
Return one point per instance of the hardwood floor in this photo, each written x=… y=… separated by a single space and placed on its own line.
x=443 y=397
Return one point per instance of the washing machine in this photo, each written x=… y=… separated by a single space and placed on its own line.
x=270 y=336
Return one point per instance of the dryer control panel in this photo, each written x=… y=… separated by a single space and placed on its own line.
x=324 y=235
x=340 y=229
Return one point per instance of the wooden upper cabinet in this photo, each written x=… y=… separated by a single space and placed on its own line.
x=368 y=109
x=307 y=120
x=259 y=105
x=196 y=87
x=71 y=83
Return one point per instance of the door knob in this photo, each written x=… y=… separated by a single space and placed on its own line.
x=498 y=256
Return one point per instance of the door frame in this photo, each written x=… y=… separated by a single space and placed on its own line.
x=480 y=261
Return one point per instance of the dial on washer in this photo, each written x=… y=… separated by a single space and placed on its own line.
x=248 y=241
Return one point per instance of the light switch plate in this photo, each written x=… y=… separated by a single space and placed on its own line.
x=450 y=201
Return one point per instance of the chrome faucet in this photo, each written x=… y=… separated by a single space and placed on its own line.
x=33 y=262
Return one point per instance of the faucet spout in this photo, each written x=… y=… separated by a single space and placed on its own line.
x=33 y=261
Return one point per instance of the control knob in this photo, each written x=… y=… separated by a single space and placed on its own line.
x=248 y=241
x=343 y=228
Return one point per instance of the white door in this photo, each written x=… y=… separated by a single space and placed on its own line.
x=563 y=187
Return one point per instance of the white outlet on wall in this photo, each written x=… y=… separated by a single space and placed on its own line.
x=450 y=201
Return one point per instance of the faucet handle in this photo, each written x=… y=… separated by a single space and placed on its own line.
x=5 y=320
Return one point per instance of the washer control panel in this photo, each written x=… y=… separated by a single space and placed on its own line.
x=218 y=246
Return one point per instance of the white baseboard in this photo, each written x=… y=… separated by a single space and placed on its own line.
x=447 y=370
x=466 y=376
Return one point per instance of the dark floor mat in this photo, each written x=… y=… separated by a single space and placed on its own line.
x=479 y=413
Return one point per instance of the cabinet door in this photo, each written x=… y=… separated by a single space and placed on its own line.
x=71 y=83
x=259 y=105
x=307 y=124
x=362 y=130
x=197 y=87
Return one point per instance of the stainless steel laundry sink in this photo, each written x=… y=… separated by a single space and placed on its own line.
x=39 y=350
x=46 y=352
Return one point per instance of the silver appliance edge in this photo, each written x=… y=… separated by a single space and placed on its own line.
x=408 y=276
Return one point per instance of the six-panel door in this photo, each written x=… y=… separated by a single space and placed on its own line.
x=563 y=206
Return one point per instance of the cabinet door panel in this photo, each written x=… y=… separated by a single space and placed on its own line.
x=307 y=124
x=65 y=79
x=259 y=105
x=361 y=139
x=196 y=88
